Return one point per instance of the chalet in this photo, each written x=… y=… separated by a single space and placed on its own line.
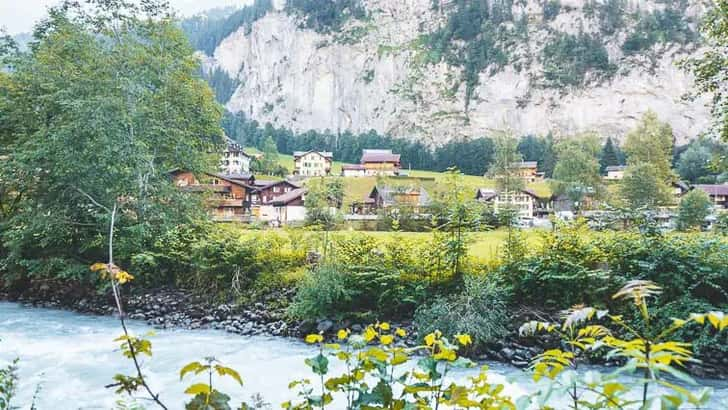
x=234 y=159
x=380 y=162
x=228 y=198
x=383 y=197
x=528 y=170
x=353 y=170
x=718 y=194
x=312 y=163
x=615 y=172
x=289 y=207
x=525 y=201
x=265 y=191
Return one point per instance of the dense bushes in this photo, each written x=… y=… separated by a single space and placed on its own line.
x=575 y=265
x=480 y=310
x=365 y=293
x=217 y=260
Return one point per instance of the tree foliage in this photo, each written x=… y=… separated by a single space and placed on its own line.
x=576 y=174
x=206 y=31
x=327 y=15
x=694 y=163
x=651 y=142
x=609 y=156
x=659 y=26
x=643 y=186
x=694 y=207
x=710 y=68
x=104 y=104
x=573 y=60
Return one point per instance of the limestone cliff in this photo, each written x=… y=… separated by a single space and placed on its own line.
x=372 y=74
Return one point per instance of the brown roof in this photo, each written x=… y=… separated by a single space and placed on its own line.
x=352 y=167
x=231 y=180
x=379 y=155
x=713 y=189
x=205 y=188
x=260 y=184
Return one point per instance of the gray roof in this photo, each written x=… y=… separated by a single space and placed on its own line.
x=614 y=168
x=325 y=154
x=713 y=189
x=389 y=194
x=525 y=164
x=288 y=197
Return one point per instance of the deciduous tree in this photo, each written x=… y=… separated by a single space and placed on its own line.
x=651 y=142
x=104 y=104
x=643 y=186
x=694 y=207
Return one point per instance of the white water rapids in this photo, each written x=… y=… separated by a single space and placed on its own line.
x=68 y=358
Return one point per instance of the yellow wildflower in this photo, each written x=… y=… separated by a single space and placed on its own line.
x=464 y=339
x=311 y=339
x=369 y=334
x=386 y=339
x=122 y=277
x=342 y=334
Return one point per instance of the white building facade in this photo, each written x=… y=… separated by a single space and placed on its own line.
x=312 y=163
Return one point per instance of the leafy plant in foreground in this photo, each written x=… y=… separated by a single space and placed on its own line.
x=205 y=397
x=8 y=384
x=647 y=350
x=377 y=375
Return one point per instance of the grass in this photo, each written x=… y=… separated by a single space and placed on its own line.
x=484 y=246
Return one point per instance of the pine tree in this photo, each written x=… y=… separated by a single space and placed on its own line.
x=608 y=156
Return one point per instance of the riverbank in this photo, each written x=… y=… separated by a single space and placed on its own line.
x=170 y=308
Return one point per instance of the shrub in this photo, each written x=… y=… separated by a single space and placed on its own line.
x=337 y=291
x=479 y=310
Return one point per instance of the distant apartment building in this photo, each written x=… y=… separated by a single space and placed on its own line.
x=312 y=163
x=615 y=172
x=234 y=159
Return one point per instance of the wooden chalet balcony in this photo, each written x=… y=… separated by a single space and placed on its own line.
x=232 y=218
x=229 y=203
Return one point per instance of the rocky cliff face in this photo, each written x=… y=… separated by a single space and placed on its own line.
x=371 y=75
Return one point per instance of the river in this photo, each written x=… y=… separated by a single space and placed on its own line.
x=66 y=359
